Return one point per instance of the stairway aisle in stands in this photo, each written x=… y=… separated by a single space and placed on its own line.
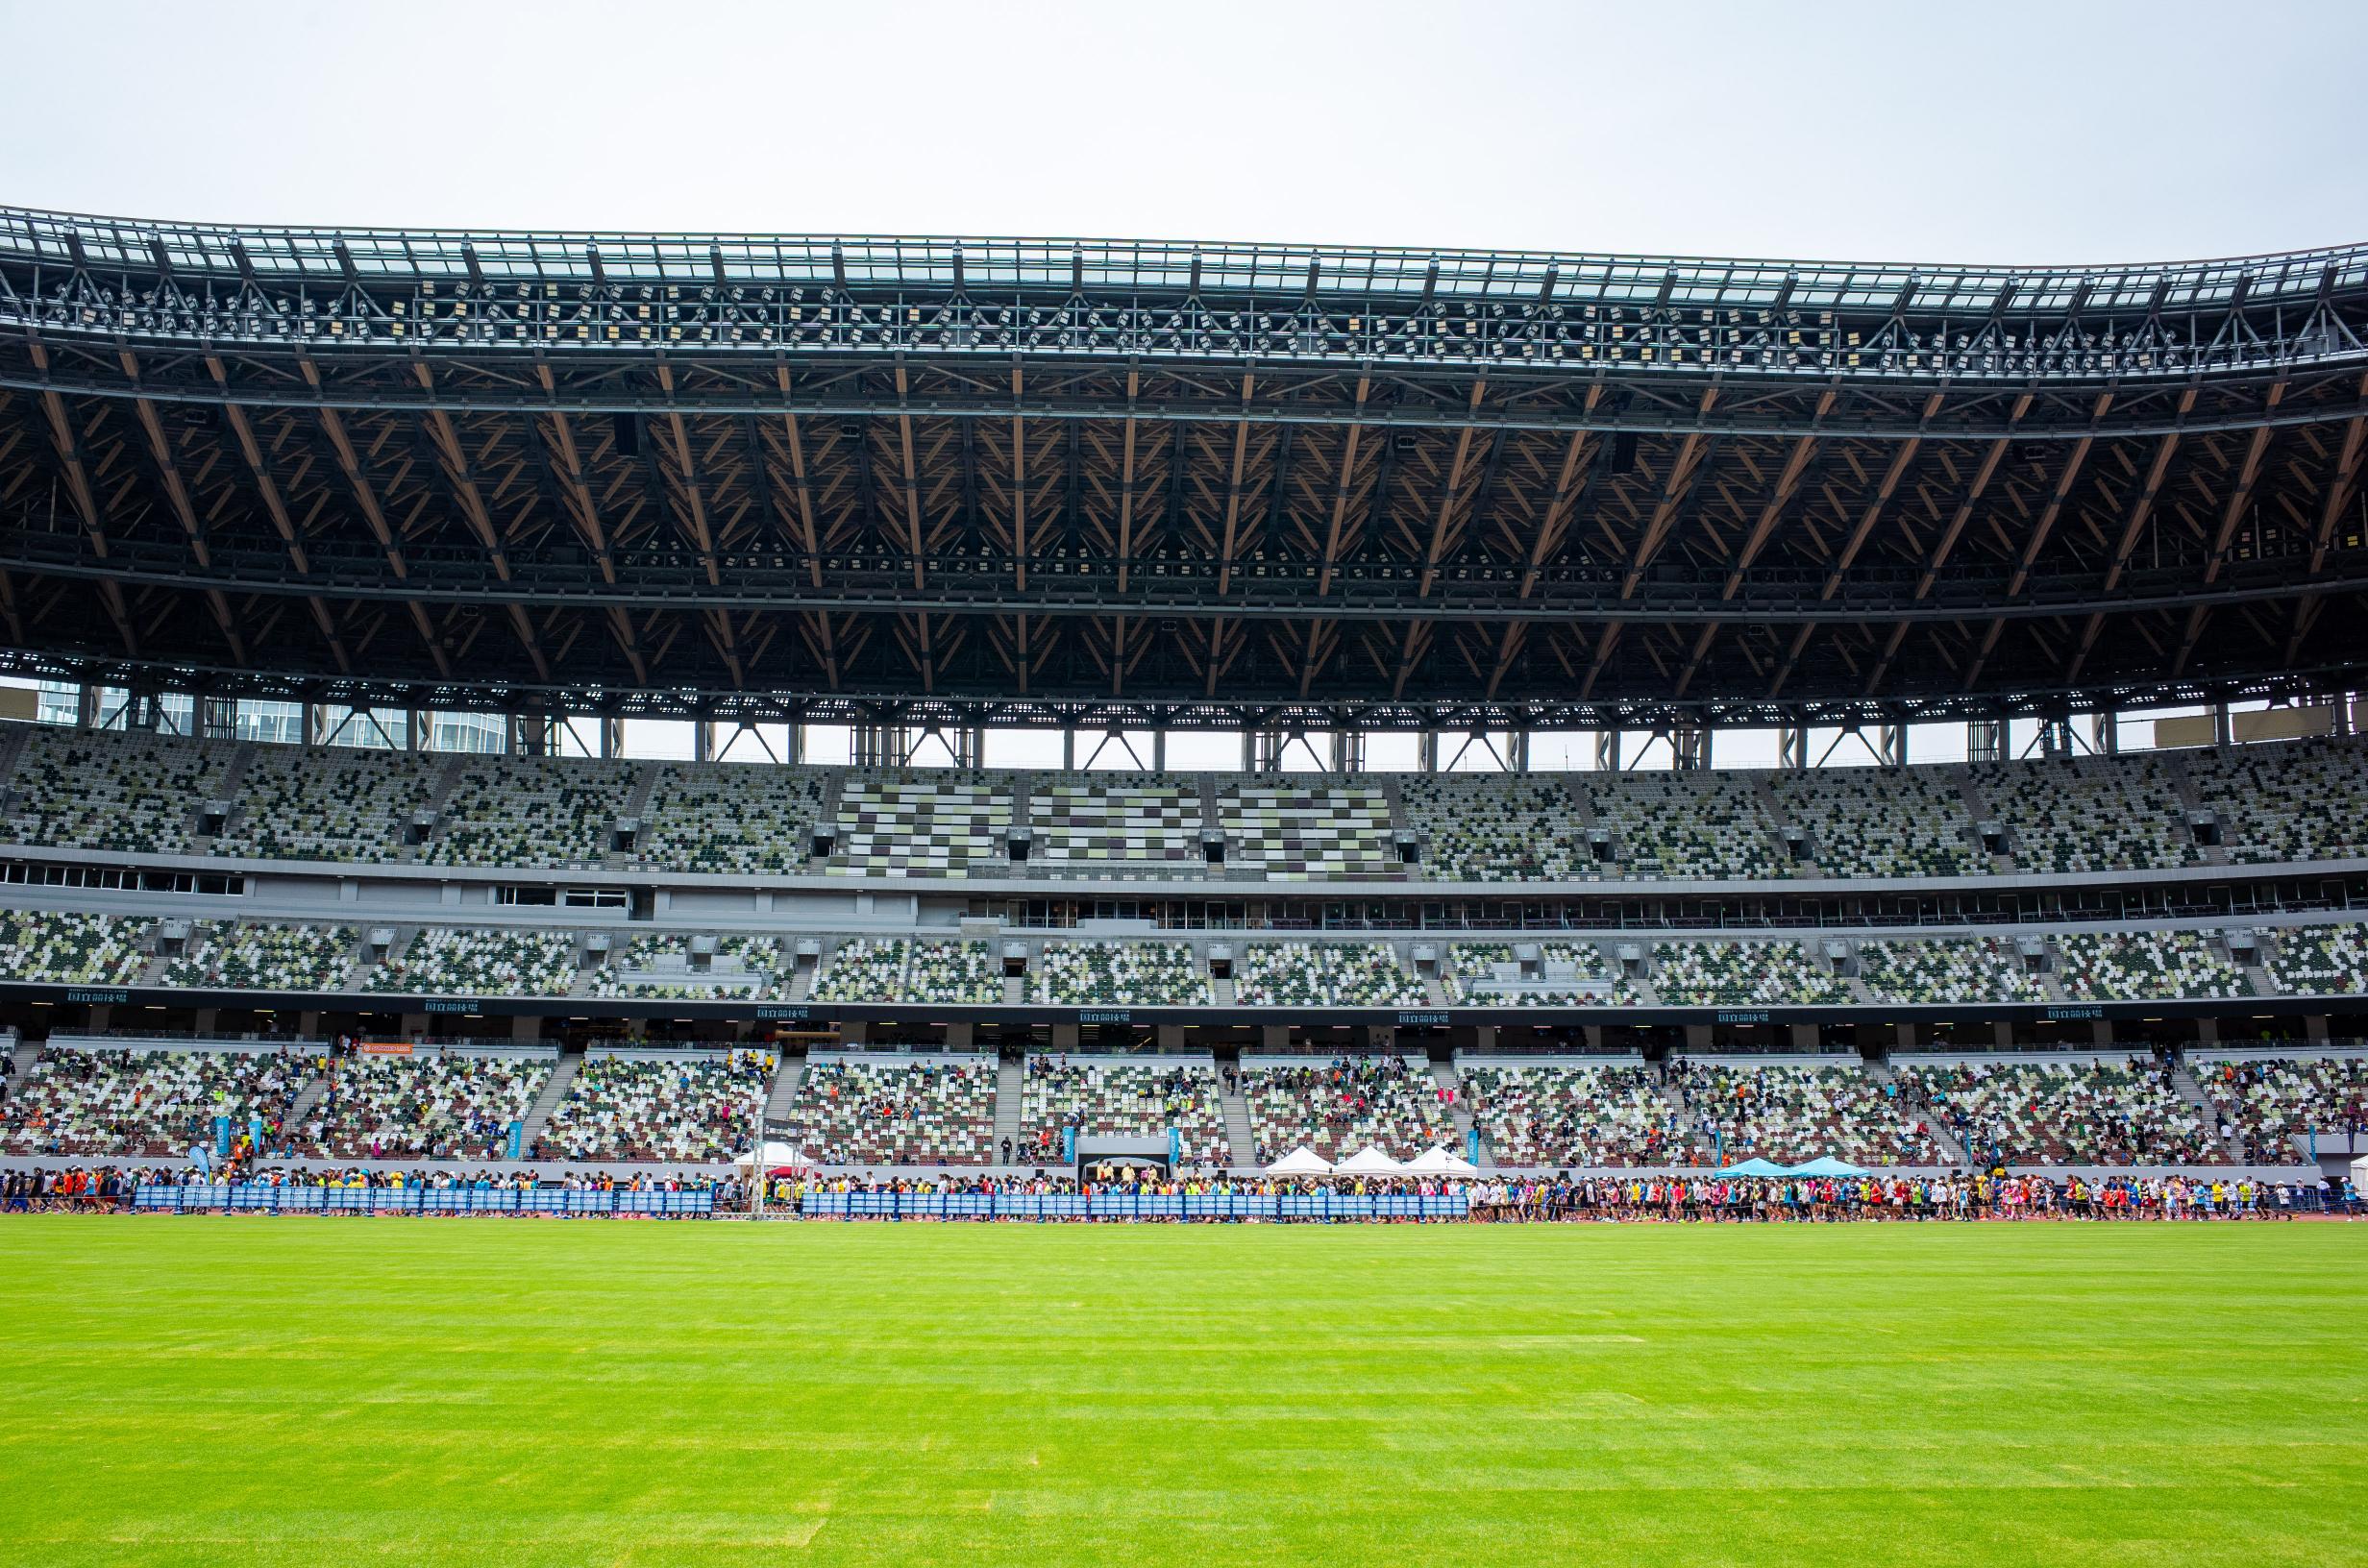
x=1682 y=1119
x=1237 y=1134
x=306 y=1097
x=1009 y=1072
x=1954 y=1151
x=27 y=1053
x=636 y=811
x=1442 y=1074
x=234 y=779
x=439 y=795
x=787 y=1076
x=2193 y=1094
x=2191 y=801
x=554 y=1090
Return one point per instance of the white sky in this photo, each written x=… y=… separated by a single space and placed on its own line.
x=2064 y=132
x=2012 y=132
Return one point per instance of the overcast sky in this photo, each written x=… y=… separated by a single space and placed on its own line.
x=2063 y=131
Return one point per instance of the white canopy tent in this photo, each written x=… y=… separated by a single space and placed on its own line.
x=1438 y=1161
x=777 y=1154
x=1369 y=1161
x=2360 y=1174
x=1301 y=1161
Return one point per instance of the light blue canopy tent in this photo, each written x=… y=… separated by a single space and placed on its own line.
x=1753 y=1168
x=1827 y=1165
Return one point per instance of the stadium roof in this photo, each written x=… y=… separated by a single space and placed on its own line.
x=1088 y=480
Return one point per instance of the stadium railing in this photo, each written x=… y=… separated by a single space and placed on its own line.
x=155 y=1198
x=1068 y=1206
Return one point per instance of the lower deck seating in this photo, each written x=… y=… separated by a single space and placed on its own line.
x=405 y=1107
x=1743 y=974
x=2066 y=1113
x=458 y=961
x=1120 y=1099
x=1792 y=1114
x=1340 y=1106
x=929 y=1112
x=78 y=1101
x=1322 y=973
x=2272 y=1104
x=668 y=1108
x=1574 y=1115
x=238 y=956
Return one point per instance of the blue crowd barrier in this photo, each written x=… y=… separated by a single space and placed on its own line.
x=261 y=1198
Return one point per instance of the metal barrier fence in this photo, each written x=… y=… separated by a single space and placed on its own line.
x=256 y=1198
x=1047 y=1206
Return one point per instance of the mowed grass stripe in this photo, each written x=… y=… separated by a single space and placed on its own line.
x=289 y=1391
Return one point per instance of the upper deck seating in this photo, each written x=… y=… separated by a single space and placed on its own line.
x=923 y=824
x=730 y=818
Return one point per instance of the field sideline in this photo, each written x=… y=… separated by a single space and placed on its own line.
x=267 y=1392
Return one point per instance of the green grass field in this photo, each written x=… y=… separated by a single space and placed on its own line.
x=258 y=1393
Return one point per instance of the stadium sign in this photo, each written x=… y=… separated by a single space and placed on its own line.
x=1420 y=1019
x=784 y=1014
x=1755 y=1014
x=455 y=1004
x=2074 y=1014
x=101 y=997
x=1105 y=1015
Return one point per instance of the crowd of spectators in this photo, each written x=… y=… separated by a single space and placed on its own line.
x=1095 y=1096
x=675 y=1108
x=404 y=1107
x=1792 y=1114
x=84 y=1101
x=2272 y=1105
x=1574 y=1115
x=2066 y=1112
x=1341 y=1107
x=928 y=1110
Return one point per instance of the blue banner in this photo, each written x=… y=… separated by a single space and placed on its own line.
x=224 y=1197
